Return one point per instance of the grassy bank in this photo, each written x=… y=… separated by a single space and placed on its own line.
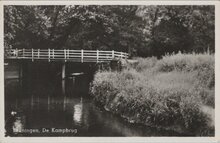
x=170 y=93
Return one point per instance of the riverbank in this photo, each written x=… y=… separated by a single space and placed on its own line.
x=175 y=92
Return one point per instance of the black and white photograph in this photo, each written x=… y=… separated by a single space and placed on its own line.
x=109 y=70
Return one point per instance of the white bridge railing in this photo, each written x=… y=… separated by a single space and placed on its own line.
x=66 y=55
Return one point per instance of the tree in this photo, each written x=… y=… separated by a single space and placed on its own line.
x=178 y=28
x=138 y=30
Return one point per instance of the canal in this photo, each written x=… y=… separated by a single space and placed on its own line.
x=44 y=107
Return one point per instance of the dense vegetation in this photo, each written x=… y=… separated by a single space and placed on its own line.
x=139 y=30
x=170 y=93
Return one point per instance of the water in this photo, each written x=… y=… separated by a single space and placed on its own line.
x=63 y=108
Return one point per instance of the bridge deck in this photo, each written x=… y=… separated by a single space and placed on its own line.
x=66 y=55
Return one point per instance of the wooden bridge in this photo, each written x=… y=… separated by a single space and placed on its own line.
x=66 y=55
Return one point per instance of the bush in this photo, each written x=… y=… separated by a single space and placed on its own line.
x=185 y=62
x=145 y=63
x=161 y=98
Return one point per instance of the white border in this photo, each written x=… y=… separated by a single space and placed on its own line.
x=113 y=139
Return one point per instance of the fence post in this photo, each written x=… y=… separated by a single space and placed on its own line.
x=82 y=55
x=38 y=53
x=16 y=53
x=53 y=53
x=113 y=54
x=65 y=54
x=121 y=55
x=68 y=54
x=23 y=52
x=97 y=56
x=49 y=55
x=32 y=54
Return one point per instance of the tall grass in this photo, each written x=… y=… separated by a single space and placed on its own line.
x=165 y=93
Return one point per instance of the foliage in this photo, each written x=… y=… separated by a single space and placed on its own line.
x=138 y=30
x=162 y=98
x=73 y=27
x=177 y=28
x=144 y=63
x=186 y=62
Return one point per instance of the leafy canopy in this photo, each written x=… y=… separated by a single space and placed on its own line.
x=138 y=30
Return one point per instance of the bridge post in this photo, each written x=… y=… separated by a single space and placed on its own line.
x=48 y=55
x=113 y=54
x=53 y=53
x=65 y=55
x=97 y=53
x=16 y=52
x=38 y=53
x=32 y=54
x=82 y=56
x=23 y=52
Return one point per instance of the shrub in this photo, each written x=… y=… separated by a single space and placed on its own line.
x=160 y=98
x=145 y=63
x=185 y=62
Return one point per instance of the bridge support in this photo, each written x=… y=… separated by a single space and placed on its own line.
x=115 y=65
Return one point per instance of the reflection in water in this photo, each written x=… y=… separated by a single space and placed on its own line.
x=64 y=103
x=77 y=114
x=44 y=106
x=63 y=87
x=48 y=103
x=18 y=126
x=32 y=102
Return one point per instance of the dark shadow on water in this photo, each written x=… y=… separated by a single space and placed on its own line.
x=44 y=107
